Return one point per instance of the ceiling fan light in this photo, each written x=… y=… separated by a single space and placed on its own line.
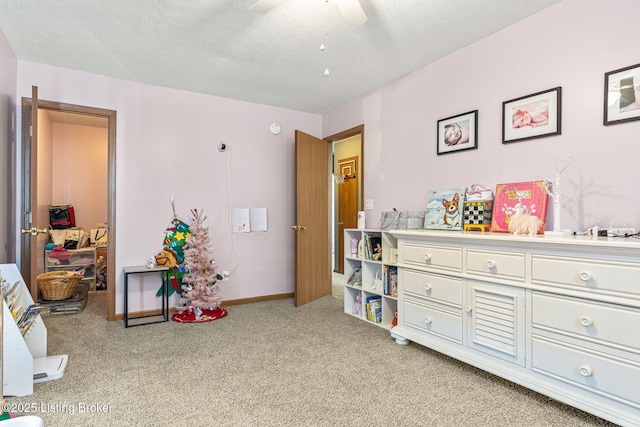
x=352 y=12
x=263 y=6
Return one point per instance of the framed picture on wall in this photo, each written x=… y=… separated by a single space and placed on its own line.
x=458 y=133
x=622 y=95
x=532 y=116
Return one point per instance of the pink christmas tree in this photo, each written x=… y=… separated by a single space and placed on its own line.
x=200 y=283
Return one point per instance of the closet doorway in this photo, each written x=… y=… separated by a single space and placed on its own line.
x=72 y=158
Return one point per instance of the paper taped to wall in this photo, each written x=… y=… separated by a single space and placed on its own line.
x=245 y=220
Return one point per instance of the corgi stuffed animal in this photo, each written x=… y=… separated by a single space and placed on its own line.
x=452 y=211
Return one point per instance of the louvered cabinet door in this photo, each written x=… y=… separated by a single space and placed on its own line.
x=496 y=320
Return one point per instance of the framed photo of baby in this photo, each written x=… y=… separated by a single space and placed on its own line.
x=458 y=133
x=622 y=95
x=532 y=116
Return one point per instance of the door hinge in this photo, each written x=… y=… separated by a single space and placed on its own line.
x=30 y=130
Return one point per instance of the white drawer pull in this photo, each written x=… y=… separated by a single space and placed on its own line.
x=491 y=264
x=427 y=320
x=585 y=371
x=427 y=257
x=586 y=321
x=427 y=288
x=585 y=276
x=468 y=309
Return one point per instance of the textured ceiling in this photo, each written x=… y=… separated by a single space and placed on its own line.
x=219 y=47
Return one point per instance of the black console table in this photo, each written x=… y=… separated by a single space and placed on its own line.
x=165 y=294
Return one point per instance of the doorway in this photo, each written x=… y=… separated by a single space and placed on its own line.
x=347 y=191
x=74 y=164
x=317 y=233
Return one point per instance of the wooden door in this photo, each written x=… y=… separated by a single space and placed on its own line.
x=347 y=204
x=34 y=223
x=36 y=209
x=313 y=255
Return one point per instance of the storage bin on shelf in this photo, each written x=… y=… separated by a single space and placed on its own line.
x=58 y=285
x=80 y=260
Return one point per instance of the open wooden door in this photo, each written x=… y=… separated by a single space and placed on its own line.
x=347 y=205
x=313 y=254
x=34 y=225
x=37 y=198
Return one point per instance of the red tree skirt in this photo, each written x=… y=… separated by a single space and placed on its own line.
x=188 y=315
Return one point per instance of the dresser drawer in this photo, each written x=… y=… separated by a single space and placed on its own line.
x=586 y=274
x=432 y=320
x=505 y=265
x=433 y=287
x=594 y=371
x=440 y=257
x=597 y=322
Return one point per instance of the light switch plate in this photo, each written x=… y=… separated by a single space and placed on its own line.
x=368 y=204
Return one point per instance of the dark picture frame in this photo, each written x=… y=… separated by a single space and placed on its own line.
x=622 y=95
x=532 y=116
x=457 y=133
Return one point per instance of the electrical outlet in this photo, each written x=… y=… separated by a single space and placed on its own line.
x=368 y=204
x=225 y=276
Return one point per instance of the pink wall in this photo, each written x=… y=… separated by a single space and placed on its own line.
x=571 y=44
x=80 y=171
x=167 y=145
x=167 y=139
x=8 y=78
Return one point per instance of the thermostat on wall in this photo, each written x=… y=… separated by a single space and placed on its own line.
x=274 y=128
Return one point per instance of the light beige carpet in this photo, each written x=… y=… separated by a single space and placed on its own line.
x=271 y=364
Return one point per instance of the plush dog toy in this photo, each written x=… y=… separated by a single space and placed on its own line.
x=167 y=258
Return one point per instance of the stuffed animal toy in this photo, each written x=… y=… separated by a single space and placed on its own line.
x=357 y=307
x=167 y=258
x=523 y=224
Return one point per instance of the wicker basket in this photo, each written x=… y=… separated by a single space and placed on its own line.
x=58 y=285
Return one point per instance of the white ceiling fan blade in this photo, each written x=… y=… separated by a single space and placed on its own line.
x=264 y=6
x=352 y=12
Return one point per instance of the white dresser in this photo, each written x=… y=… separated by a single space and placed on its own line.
x=560 y=316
